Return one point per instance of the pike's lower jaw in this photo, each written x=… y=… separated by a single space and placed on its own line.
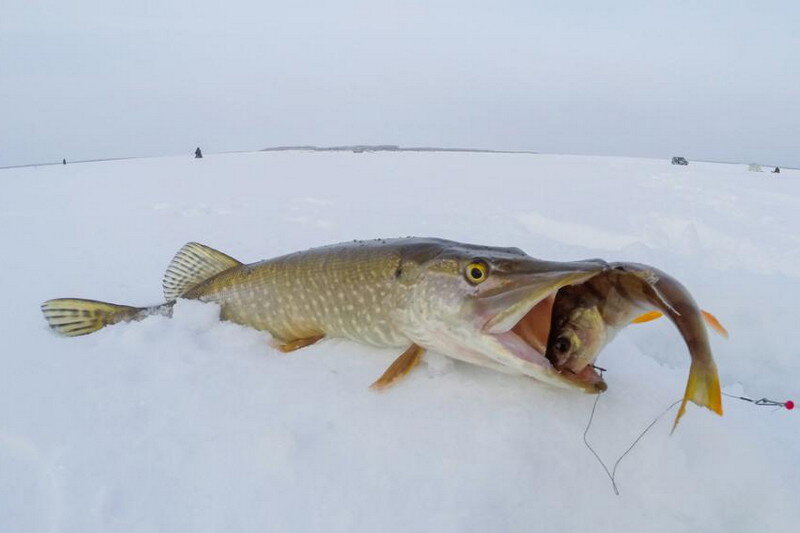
x=588 y=376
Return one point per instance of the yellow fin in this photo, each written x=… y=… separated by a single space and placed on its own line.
x=75 y=316
x=193 y=264
x=710 y=319
x=299 y=343
x=400 y=367
x=647 y=317
x=702 y=389
x=715 y=324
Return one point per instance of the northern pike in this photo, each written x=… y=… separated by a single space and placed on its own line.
x=586 y=316
x=462 y=300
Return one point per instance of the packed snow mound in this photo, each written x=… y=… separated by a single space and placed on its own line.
x=192 y=424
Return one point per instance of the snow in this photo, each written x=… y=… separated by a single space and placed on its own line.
x=192 y=424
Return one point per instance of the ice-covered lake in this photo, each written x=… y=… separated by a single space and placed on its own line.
x=191 y=424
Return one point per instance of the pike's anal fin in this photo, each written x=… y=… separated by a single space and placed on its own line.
x=400 y=367
x=299 y=343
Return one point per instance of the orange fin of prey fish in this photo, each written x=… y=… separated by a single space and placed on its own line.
x=400 y=367
x=299 y=343
x=712 y=321
x=702 y=389
x=75 y=316
x=193 y=264
x=647 y=317
x=715 y=324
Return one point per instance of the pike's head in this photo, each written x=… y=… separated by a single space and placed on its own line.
x=492 y=306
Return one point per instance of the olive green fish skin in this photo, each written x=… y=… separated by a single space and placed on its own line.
x=347 y=291
x=361 y=290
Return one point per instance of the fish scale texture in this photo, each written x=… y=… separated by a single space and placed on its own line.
x=347 y=291
x=192 y=424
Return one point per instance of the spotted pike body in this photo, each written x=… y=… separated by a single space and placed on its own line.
x=420 y=293
x=351 y=290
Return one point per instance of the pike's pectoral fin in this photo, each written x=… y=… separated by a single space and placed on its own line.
x=712 y=321
x=400 y=367
x=299 y=343
x=702 y=389
x=193 y=264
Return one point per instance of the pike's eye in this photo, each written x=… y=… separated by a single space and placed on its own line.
x=476 y=272
x=562 y=345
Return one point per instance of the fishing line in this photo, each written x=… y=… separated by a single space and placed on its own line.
x=788 y=404
x=612 y=474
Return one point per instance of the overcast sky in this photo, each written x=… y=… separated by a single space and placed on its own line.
x=709 y=80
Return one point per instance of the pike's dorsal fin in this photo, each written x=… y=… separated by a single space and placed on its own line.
x=194 y=263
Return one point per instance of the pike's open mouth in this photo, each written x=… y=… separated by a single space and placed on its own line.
x=533 y=329
x=520 y=319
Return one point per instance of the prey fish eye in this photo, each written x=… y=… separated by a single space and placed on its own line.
x=477 y=272
x=562 y=345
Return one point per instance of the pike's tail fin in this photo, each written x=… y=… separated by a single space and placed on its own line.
x=702 y=389
x=74 y=316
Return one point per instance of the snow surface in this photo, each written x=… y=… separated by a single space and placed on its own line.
x=192 y=424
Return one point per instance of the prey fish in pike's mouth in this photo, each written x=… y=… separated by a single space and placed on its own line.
x=586 y=316
x=485 y=305
x=535 y=327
